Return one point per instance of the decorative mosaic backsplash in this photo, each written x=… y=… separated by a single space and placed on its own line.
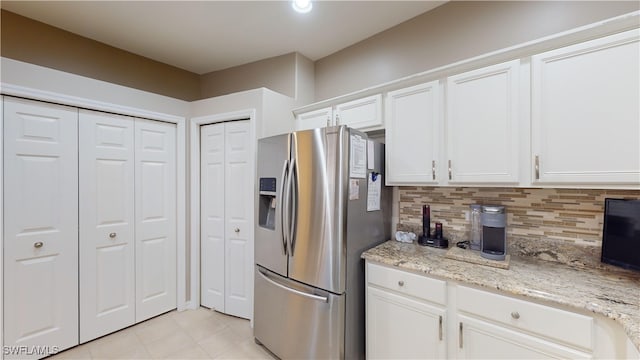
x=563 y=215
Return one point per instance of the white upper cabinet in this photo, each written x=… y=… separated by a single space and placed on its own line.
x=315 y=119
x=412 y=134
x=362 y=114
x=482 y=125
x=586 y=113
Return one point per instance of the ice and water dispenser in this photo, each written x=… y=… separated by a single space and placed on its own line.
x=267 y=203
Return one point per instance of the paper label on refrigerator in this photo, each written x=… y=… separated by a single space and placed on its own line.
x=354 y=189
x=371 y=157
x=374 y=191
x=358 y=161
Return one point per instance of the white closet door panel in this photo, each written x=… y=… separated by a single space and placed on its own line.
x=40 y=225
x=212 y=194
x=238 y=219
x=155 y=218
x=107 y=253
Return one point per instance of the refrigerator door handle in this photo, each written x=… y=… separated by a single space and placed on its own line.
x=294 y=204
x=283 y=201
x=297 y=292
x=287 y=204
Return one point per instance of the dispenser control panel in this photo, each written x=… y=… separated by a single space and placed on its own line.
x=268 y=185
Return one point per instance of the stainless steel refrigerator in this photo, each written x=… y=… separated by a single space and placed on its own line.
x=321 y=203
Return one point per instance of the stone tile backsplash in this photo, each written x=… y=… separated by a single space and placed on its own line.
x=563 y=215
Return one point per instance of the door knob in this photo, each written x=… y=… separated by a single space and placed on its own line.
x=112 y=235
x=38 y=245
x=237 y=230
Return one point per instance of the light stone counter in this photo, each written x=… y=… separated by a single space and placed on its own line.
x=611 y=292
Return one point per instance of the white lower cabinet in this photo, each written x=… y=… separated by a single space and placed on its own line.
x=40 y=228
x=400 y=327
x=405 y=315
x=413 y=316
x=479 y=339
x=496 y=326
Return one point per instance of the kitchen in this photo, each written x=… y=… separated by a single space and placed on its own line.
x=545 y=206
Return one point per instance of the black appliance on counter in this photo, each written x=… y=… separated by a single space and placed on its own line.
x=621 y=233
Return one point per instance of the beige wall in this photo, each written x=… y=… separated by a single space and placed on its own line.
x=37 y=43
x=276 y=73
x=450 y=33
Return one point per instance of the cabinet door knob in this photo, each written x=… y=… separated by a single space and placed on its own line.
x=38 y=245
x=237 y=230
x=112 y=235
x=515 y=315
x=401 y=283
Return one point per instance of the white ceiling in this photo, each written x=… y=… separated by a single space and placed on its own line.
x=205 y=36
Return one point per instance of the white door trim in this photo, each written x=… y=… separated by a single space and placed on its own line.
x=194 y=205
x=181 y=156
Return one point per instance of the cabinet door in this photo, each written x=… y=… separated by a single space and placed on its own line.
x=586 y=112
x=238 y=219
x=315 y=119
x=155 y=217
x=399 y=327
x=40 y=225
x=482 y=125
x=107 y=253
x=478 y=339
x=412 y=134
x=212 y=218
x=361 y=114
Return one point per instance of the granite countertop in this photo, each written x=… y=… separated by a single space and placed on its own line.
x=612 y=293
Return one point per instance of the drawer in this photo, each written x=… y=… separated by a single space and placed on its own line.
x=565 y=326
x=407 y=283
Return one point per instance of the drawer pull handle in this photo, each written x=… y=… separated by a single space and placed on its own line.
x=237 y=230
x=401 y=283
x=515 y=315
x=112 y=235
x=38 y=245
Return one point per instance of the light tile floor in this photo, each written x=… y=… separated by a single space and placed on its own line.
x=190 y=334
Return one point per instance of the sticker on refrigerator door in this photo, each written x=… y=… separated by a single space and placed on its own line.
x=358 y=162
x=354 y=189
x=374 y=191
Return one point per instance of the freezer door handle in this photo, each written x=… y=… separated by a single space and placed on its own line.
x=297 y=292
x=283 y=201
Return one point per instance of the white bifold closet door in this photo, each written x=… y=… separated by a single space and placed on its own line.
x=40 y=225
x=226 y=201
x=127 y=221
x=107 y=246
x=155 y=218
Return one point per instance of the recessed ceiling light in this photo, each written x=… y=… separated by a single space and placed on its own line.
x=302 y=6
